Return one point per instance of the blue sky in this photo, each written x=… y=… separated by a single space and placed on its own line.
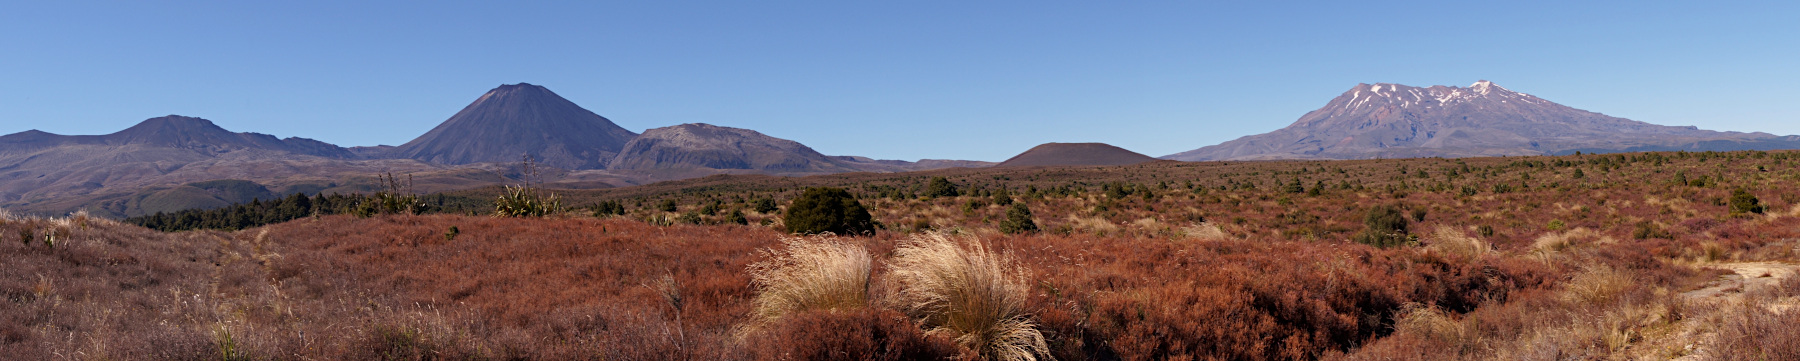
x=976 y=80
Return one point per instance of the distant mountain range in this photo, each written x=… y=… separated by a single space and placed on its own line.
x=172 y=132
x=175 y=162
x=172 y=162
x=523 y=119
x=144 y=168
x=1397 y=121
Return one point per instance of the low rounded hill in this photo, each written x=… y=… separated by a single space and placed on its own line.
x=1063 y=154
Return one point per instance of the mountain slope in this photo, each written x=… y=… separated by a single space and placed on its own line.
x=515 y=120
x=1056 y=154
x=176 y=132
x=39 y=168
x=700 y=145
x=1396 y=121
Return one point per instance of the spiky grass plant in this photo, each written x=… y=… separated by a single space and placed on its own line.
x=819 y=273
x=525 y=202
x=968 y=293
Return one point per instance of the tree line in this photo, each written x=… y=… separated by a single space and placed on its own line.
x=259 y=212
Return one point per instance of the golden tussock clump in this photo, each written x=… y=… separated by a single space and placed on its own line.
x=969 y=293
x=1206 y=231
x=1449 y=240
x=820 y=273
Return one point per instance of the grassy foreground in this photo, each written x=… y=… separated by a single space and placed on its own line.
x=1579 y=257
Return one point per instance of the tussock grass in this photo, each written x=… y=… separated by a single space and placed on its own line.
x=1554 y=242
x=1093 y=224
x=818 y=273
x=969 y=293
x=1748 y=332
x=1598 y=285
x=1205 y=231
x=1449 y=240
x=1434 y=324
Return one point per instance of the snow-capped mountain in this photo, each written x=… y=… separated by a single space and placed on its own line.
x=1483 y=119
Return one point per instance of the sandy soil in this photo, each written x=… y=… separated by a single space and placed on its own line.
x=1730 y=291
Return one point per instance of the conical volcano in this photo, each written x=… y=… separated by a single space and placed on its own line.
x=516 y=120
x=1060 y=154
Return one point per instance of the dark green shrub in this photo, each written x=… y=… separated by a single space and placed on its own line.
x=1700 y=182
x=737 y=217
x=1418 y=214
x=1003 y=197
x=26 y=232
x=1648 y=230
x=1385 y=227
x=765 y=205
x=969 y=208
x=1116 y=190
x=668 y=205
x=608 y=208
x=941 y=187
x=1502 y=188
x=1018 y=220
x=1743 y=202
x=827 y=209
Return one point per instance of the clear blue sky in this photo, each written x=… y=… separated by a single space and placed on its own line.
x=896 y=79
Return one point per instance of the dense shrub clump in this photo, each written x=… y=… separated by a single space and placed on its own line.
x=608 y=208
x=765 y=205
x=941 y=187
x=1744 y=202
x=828 y=210
x=1385 y=227
x=1018 y=220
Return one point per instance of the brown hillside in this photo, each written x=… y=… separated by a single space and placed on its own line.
x=699 y=145
x=1055 y=154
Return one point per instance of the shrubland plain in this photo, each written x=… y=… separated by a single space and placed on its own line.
x=1666 y=255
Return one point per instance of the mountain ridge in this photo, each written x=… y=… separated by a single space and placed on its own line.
x=147 y=166
x=1484 y=119
x=701 y=145
x=175 y=131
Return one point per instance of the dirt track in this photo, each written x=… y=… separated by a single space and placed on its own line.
x=1730 y=291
